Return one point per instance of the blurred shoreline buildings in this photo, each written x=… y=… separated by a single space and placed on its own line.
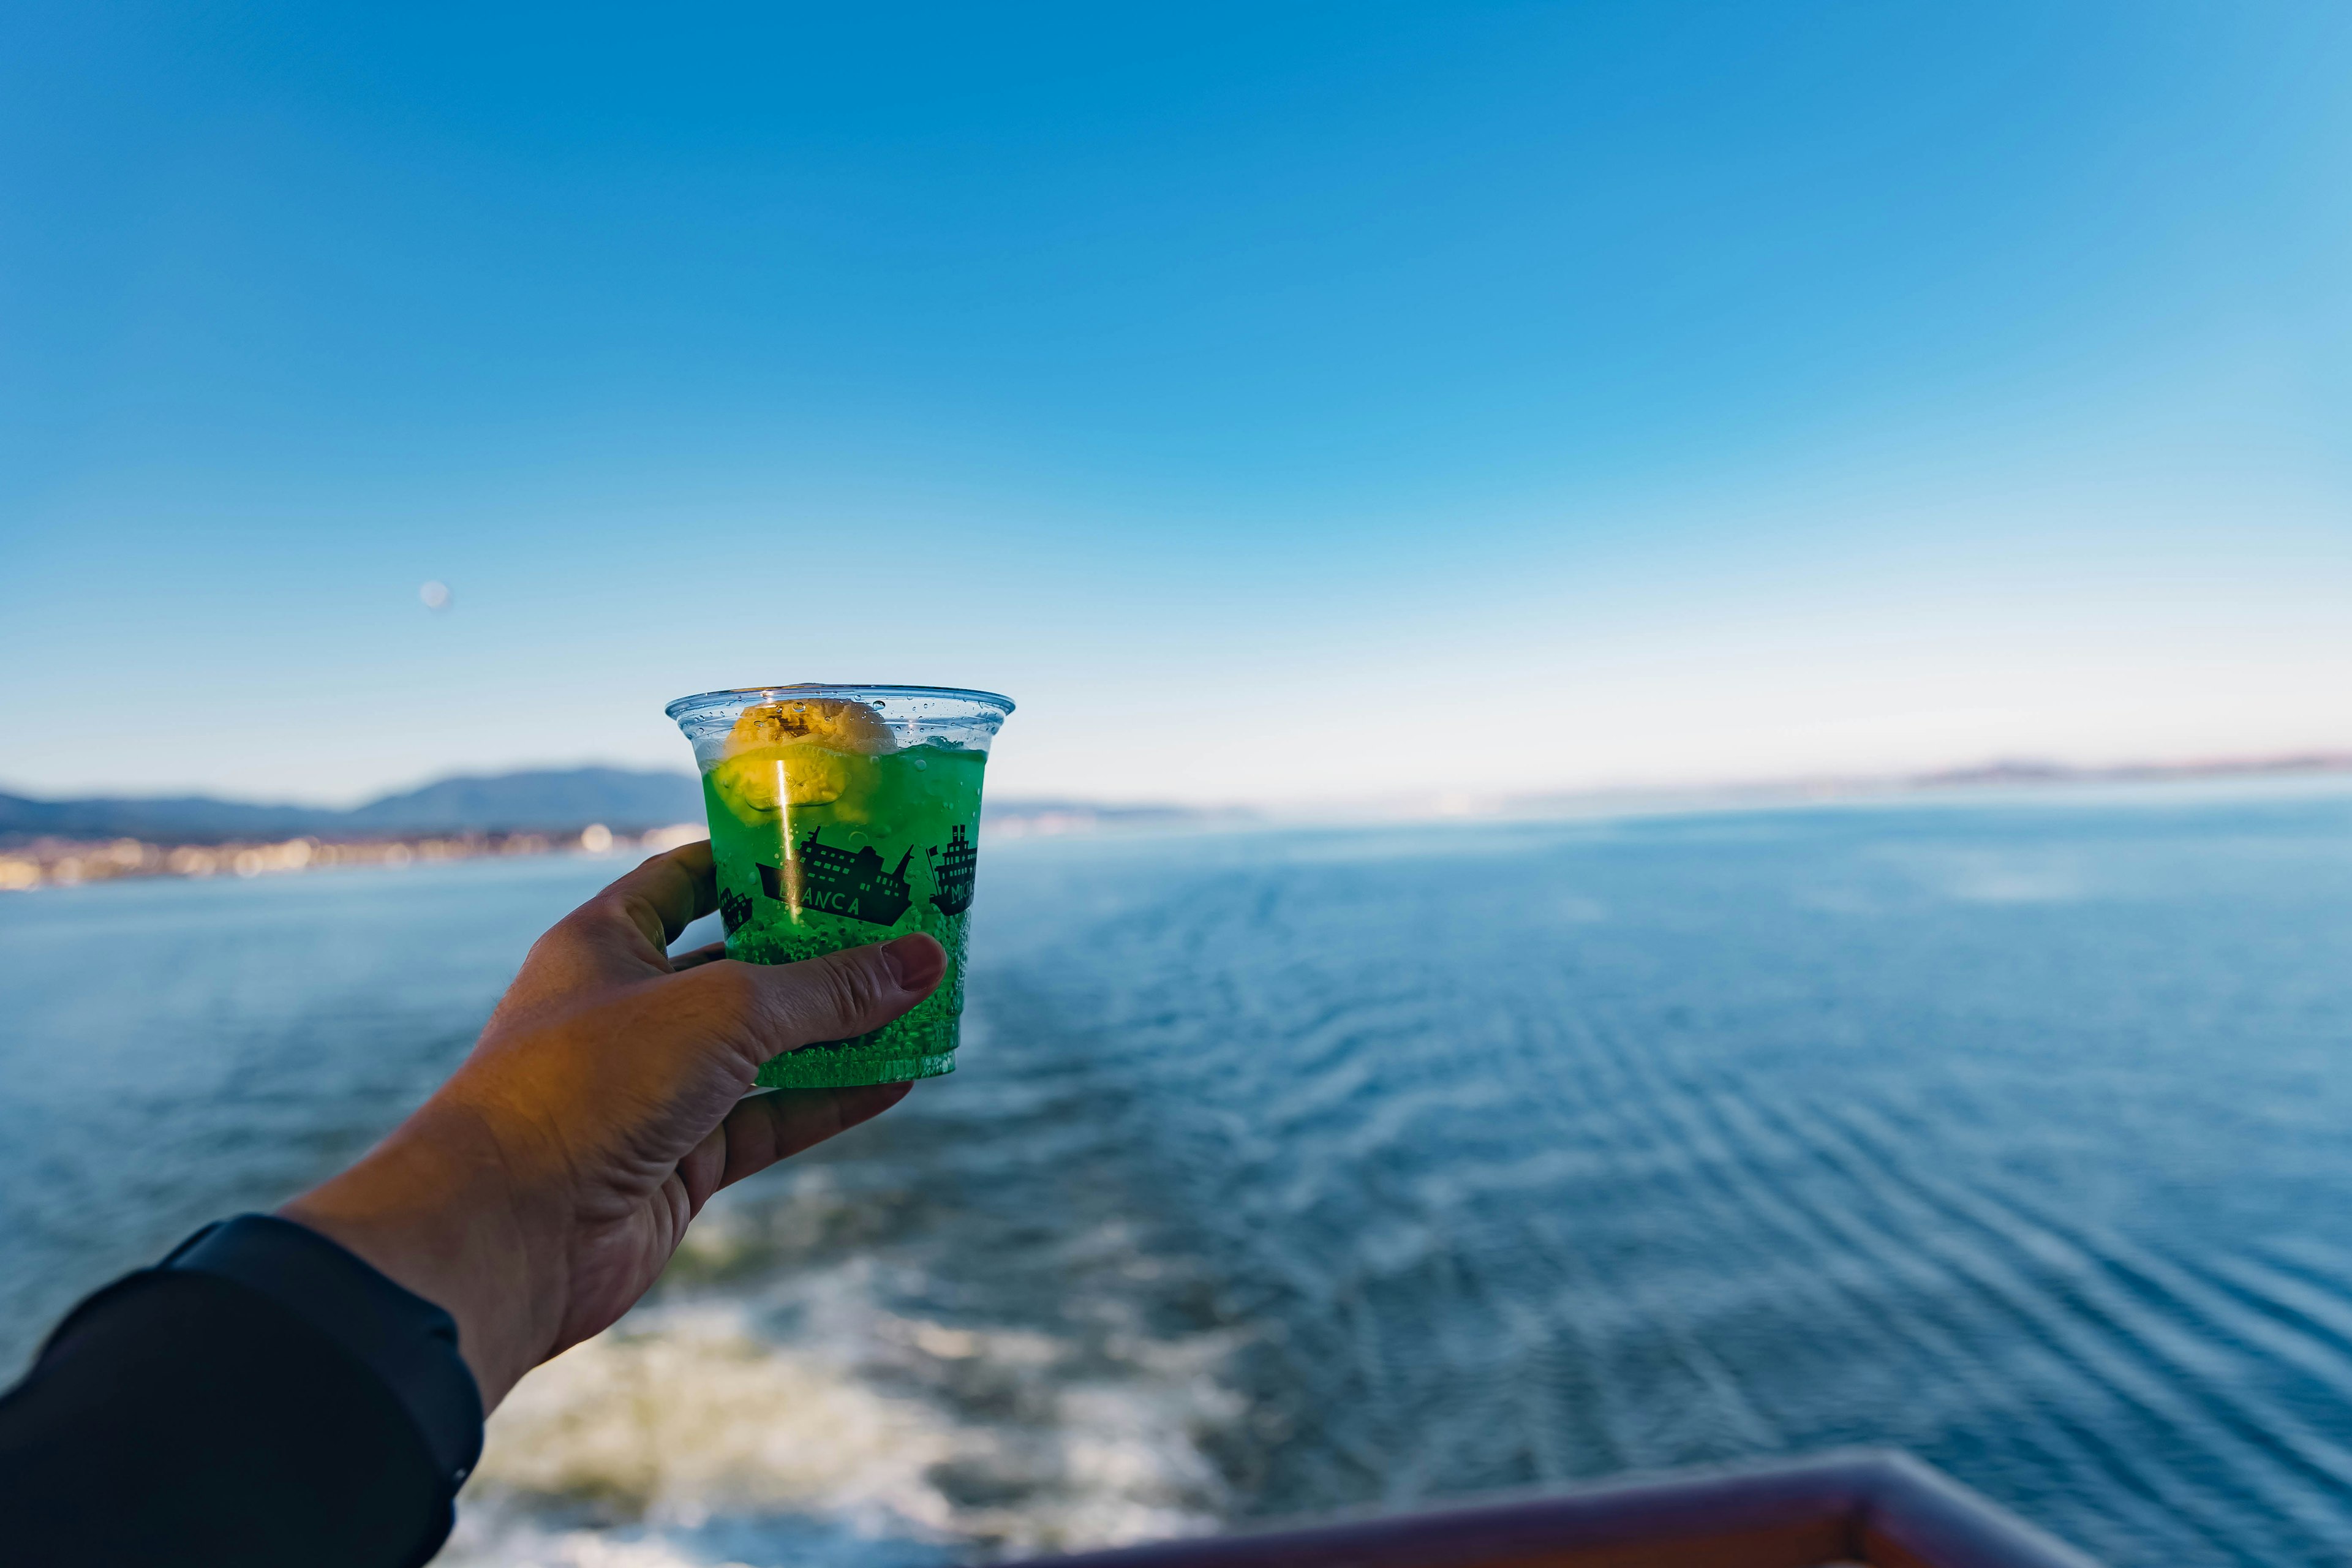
x=50 y=861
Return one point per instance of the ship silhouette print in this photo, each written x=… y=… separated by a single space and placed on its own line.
x=836 y=883
x=952 y=874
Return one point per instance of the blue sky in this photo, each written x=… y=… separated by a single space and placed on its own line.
x=1283 y=402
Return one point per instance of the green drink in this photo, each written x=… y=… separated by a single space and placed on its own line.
x=842 y=815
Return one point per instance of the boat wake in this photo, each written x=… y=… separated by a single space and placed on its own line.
x=880 y=1359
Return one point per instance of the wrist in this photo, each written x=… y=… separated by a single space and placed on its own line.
x=437 y=1209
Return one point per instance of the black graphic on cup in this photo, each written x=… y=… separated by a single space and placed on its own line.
x=835 y=882
x=952 y=874
x=734 y=910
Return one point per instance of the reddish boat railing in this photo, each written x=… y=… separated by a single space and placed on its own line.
x=1866 y=1506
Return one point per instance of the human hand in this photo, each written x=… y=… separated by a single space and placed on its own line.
x=538 y=1193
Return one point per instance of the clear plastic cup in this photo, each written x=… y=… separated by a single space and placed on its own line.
x=841 y=815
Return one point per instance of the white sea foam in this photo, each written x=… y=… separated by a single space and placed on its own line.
x=692 y=1433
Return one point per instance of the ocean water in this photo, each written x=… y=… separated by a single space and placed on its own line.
x=1289 y=1172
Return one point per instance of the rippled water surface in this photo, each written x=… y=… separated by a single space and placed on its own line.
x=1294 y=1171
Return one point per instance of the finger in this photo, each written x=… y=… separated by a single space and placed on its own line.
x=703 y=1168
x=644 y=910
x=670 y=892
x=835 y=998
x=767 y=1128
x=622 y=934
x=694 y=958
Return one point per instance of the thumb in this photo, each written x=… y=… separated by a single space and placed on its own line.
x=841 y=994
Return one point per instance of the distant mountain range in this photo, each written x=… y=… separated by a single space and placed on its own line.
x=2026 y=772
x=552 y=800
x=539 y=800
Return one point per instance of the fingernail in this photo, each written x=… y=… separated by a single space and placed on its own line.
x=914 y=960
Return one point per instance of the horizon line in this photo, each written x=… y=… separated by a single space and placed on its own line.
x=1992 y=771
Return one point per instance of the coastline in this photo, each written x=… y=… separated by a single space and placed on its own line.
x=59 y=862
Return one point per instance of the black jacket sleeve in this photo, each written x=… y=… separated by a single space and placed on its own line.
x=261 y=1398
